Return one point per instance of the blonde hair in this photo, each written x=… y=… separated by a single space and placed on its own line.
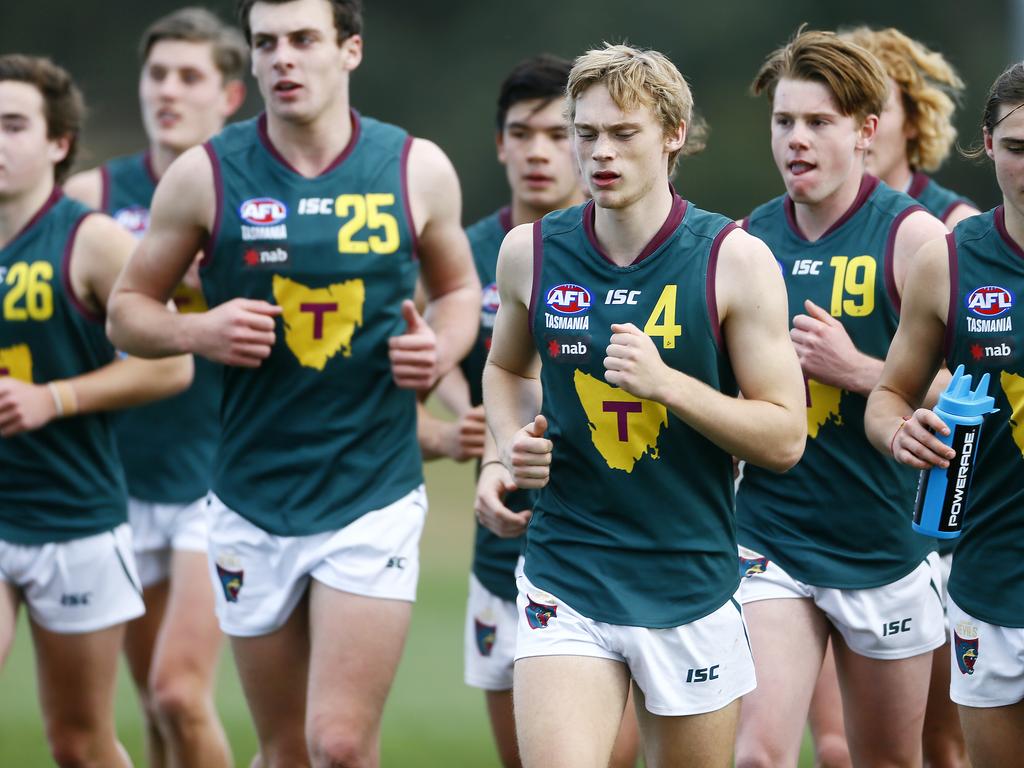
x=856 y=80
x=639 y=78
x=927 y=85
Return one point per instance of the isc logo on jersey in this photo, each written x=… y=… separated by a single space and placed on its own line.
x=571 y=302
x=264 y=219
x=987 y=308
x=489 y=305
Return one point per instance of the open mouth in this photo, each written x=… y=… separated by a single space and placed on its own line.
x=604 y=178
x=286 y=86
x=167 y=118
x=800 y=167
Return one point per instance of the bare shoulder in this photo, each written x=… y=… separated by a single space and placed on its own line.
x=741 y=252
x=959 y=213
x=86 y=187
x=428 y=161
x=99 y=237
x=915 y=230
x=186 y=193
x=515 y=264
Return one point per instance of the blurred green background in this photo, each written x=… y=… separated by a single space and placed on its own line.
x=434 y=69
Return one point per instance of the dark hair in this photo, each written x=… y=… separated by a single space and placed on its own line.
x=63 y=105
x=198 y=25
x=348 y=16
x=538 y=77
x=855 y=78
x=1008 y=88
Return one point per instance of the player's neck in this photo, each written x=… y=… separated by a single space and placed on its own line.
x=900 y=177
x=524 y=213
x=310 y=147
x=18 y=210
x=1014 y=220
x=815 y=219
x=160 y=159
x=624 y=232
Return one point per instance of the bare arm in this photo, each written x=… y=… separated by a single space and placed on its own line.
x=959 y=213
x=86 y=187
x=512 y=375
x=429 y=350
x=100 y=250
x=767 y=426
x=238 y=332
x=914 y=356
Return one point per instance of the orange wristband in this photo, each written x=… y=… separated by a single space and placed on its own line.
x=892 y=442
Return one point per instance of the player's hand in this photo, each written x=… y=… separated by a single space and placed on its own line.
x=915 y=443
x=824 y=348
x=414 y=353
x=465 y=439
x=634 y=364
x=24 y=406
x=494 y=483
x=239 y=332
x=528 y=455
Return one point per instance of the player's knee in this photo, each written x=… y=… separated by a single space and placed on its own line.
x=74 y=748
x=340 y=747
x=832 y=752
x=178 y=703
x=746 y=758
x=948 y=753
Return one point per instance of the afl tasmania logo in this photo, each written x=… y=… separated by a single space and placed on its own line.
x=568 y=299
x=989 y=301
x=263 y=211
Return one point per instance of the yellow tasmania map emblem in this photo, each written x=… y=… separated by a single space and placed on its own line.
x=189 y=299
x=1013 y=386
x=824 y=406
x=319 y=322
x=623 y=427
x=16 y=362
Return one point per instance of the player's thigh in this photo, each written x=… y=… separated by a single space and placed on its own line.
x=826 y=717
x=356 y=644
x=8 y=618
x=503 y=726
x=627 y=740
x=994 y=735
x=190 y=640
x=883 y=704
x=788 y=637
x=77 y=675
x=140 y=637
x=273 y=669
x=701 y=741
x=568 y=709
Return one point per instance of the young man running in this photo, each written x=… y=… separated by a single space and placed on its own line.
x=629 y=571
x=314 y=222
x=191 y=82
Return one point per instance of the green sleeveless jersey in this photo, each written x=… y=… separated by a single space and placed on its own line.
x=167 y=447
x=987 y=275
x=938 y=200
x=319 y=434
x=635 y=526
x=841 y=517
x=494 y=558
x=63 y=481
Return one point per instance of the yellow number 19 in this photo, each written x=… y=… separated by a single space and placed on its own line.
x=855 y=277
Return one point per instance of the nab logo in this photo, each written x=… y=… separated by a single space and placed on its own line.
x=807 y=267
x=702 y=674
x=568 y=350
x=76 y=599
x=990 y=301
x=263 y=211
x=256 y=258
x=621 y=296
x=568 y=299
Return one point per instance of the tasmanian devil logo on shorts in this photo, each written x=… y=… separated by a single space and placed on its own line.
x=539 y=614
x=965 y=643
x=486 y=634
x=231 y=582
x=751 y=566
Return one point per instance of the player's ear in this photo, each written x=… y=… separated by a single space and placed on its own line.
x=499 y=141
x=675 y=140
x=234 y=97
x=352 y=51
x=867 y=131
x=988 y=144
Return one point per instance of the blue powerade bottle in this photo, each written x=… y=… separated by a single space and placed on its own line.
x=942 y=493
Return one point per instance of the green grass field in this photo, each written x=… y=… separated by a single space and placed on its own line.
x=432 y=718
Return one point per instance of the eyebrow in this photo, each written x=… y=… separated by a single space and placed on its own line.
x=612 y=127
x=289 y=33
x=787 y=113
x=530 y=127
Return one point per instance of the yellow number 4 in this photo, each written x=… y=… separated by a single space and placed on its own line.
x=662 y=321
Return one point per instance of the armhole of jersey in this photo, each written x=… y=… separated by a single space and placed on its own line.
x=406 y=202
x=944 y=218
x=710 y=291
x=890 y=250
x=104 y=189
x=954 y=293
x=538 y=263
x=218 y=208
x=65 y=273
x=744 y=224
